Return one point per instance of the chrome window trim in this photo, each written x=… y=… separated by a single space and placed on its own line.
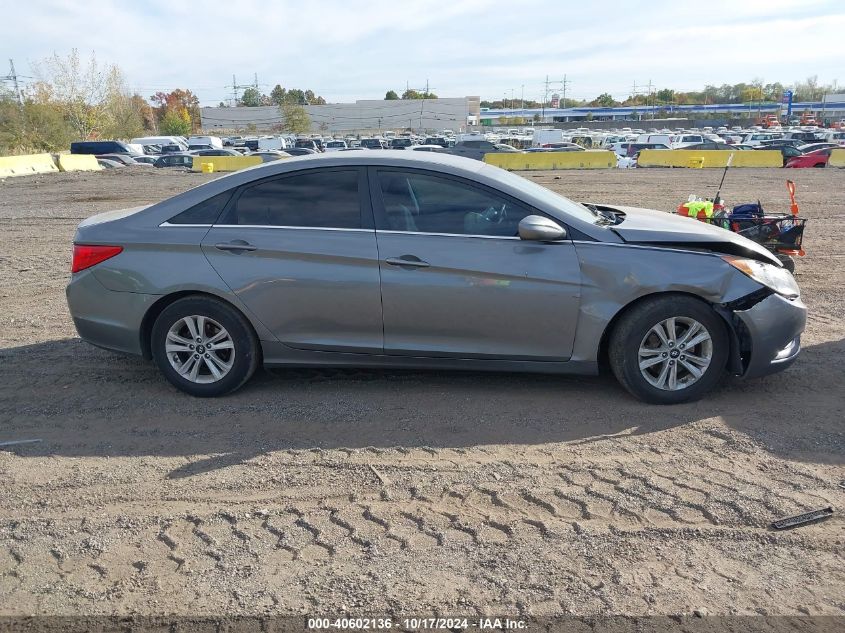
x=167 y=224
x=486 y=237
x=297 y=228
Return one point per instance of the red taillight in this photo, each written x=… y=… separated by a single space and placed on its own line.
x=86 y=255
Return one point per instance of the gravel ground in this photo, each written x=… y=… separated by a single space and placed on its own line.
x=410 y=492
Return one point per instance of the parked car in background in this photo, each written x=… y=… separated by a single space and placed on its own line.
x=146 y=160
x=160 y=141
x=630 y=148
x=787 y=151
x=811 y=147
x=270 y=155
x=172 y=149
x=216 y=152
x=306 y=143
x=175 y=160
x=101 y=147
x=400 y=143
x=682 y=141
x=712 y=145
x=476 y=149
x=251 y=268
x=333 y=146
x=562 y=146
x=777 y=142
x=755 y=138
x=300 y=151
x=215 y=142
x=799 y=135
x=436 y=140
x=818 y=158
x=373 y=143
x=125 y=159
x=109 y=164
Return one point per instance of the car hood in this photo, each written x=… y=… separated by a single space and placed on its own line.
x=647 y=226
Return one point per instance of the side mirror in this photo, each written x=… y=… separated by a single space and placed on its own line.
x=540 y=229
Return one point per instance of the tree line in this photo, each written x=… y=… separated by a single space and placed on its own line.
x=75 y=99
x=753 y=92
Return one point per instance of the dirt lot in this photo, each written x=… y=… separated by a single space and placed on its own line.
x=410 y=492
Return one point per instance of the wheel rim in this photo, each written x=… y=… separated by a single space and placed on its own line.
x=675 y=353
x=200 y=349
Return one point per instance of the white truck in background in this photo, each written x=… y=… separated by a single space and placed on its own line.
x=215 y=142
x=541 y=137
x=271 y=143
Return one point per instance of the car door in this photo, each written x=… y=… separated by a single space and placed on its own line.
x=300 y=251
x=456 y=280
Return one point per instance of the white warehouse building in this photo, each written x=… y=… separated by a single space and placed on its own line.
x=364 y=115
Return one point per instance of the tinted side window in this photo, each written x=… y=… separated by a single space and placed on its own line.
x=206 y=212
x=432 y=204
x=323 y=199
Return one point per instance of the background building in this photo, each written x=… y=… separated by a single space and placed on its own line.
x=368 y=115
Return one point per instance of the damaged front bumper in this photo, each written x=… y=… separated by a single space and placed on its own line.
x=768 y=335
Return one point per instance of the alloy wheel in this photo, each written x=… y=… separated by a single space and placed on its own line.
x=675 y=353
x=200 y=349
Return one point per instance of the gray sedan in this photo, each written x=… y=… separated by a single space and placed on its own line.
x=417 y=259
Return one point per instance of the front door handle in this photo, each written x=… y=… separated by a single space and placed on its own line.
x=407 y=260
x=235 y=245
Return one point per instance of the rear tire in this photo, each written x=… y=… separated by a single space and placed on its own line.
x=669 y=349
x=204 y=347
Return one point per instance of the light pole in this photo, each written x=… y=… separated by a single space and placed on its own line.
x=522 y=100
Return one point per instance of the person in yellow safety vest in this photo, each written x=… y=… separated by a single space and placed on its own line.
x=698 y=209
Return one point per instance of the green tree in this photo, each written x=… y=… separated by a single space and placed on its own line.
x=604 y=100
x=278 y=95
x=251 y=98
x=296 y=119
x=296 y=96
x=666 y=95
x=391 y=95
x=416 y=94
x=176 y=122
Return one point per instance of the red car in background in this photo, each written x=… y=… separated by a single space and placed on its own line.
x=817 y=158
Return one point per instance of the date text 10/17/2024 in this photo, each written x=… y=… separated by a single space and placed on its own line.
x=417 y=624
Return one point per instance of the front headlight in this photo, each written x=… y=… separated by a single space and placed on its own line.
x=778 y=279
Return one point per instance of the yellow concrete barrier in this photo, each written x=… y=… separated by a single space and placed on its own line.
x=78 y=162
x=837 y=158
x=26 y=165
x=709 y=158
x=225 y=163
x=590 y=159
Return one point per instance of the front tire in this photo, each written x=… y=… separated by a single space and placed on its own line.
x=669 y=349
x=204 y=347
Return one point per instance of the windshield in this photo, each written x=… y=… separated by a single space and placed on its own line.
x=564 y=204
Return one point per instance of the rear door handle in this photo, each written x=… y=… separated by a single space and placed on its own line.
x=407 y=260
x=235 y=245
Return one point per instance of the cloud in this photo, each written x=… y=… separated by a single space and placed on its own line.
x=345 y=50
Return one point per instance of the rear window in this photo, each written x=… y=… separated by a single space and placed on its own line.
x=206 y=212
x=314 y=199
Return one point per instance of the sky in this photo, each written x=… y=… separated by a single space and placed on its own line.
x=354 y=49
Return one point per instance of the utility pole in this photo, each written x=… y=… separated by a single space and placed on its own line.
x=13 y=77
x=565 y=82
x=545 y=98
x=652 y=100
